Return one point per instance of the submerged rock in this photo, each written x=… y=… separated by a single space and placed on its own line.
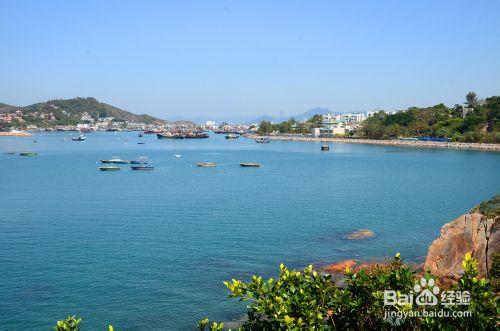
x=474 y=233
x=360 y=234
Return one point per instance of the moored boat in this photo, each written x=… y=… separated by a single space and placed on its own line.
x=140 y=160
x=115 y=159
x=142 y=167
x=28 y=154
x=250 y=164
x=79 y=138
x=325 y=148
x=232 y=136
x=262 y=140
x=109 y=168
x=206 y=164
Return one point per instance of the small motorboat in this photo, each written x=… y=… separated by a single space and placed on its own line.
x=250 y=164
x=232 y=136
x=141 y=143
x=28 y=154
x=325 y=148
x=177 y=155
x=109 y=168
x=262 y=140
x=206 y=164
x=140 y=135
x=140 y=160
x=142 y=167
x=115 y=159
x=79 y=138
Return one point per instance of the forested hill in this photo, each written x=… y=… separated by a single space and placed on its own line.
x=70 y=111
x=477 y=121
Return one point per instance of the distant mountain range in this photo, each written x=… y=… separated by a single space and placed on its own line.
x=252 y=119
x=70 y=111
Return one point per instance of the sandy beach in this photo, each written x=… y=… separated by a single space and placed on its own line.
x=396 y=142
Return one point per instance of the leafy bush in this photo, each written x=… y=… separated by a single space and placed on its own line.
x=71 y=323
x=309 y=300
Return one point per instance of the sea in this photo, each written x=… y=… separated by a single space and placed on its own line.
x=149 y=250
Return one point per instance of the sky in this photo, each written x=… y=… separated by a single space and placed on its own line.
x=241 y=58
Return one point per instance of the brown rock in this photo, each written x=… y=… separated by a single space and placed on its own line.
x=473 y=233
x=360 y=234
x=340 y=266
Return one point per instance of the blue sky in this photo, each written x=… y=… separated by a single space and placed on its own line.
x=228 y=58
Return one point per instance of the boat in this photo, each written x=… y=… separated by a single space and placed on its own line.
x=250 y=164
x=205 y=164
x=109 y=168
x=183 y=135
x=10 y=153
x=177 y=155
x=140 y=135
x=140 y=143
x=140 y=160
x=165 y=135
x=325 y=148
x=232 y=136
x=28 y=154
x=79 y=138
x=142 y=167
x=262 y=140
x=115 y=159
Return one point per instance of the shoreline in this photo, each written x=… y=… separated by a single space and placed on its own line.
x=403 y=143
x=15 y=134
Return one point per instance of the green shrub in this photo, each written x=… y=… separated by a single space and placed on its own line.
x=71 y=323
x=309 y=300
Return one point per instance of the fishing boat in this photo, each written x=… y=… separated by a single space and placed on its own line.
x=28 y=154
x=115 y=159
x=250 y=164
x=205 y=164
x=142 y=167
x=232 y=136
x=140 y=160
x=183 y=135
x=262 y=140
x=165 y=135
x=109 y=168
x=79 y=138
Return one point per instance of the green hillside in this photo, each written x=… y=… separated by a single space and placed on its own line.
x=70 y=111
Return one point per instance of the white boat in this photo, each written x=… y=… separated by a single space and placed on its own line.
x=79 y=138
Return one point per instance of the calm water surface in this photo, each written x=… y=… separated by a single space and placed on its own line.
x=149 y=250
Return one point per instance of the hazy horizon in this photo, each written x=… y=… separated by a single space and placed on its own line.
x=224 y=59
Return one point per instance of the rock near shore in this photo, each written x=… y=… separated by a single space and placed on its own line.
x=474 y=233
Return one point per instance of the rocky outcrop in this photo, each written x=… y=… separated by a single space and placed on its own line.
x=474 y=233
x=360 y=234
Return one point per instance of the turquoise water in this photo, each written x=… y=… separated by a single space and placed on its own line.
x=149 y=250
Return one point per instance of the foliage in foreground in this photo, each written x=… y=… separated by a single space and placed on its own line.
x=308 y=300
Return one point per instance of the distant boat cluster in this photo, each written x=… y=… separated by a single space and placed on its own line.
x=141 y=163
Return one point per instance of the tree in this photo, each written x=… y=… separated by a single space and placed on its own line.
x=471 y=98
